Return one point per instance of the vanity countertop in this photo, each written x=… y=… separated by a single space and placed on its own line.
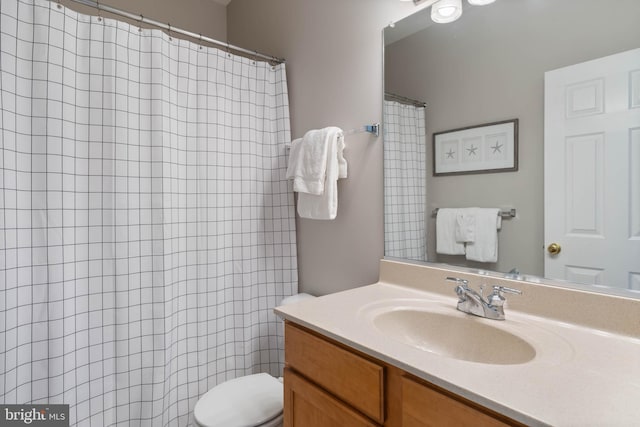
x=580 y=376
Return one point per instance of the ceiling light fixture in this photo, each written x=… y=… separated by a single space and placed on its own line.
x=444 y=11
x=480 y=2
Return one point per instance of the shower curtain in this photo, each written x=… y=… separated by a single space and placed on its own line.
x=404 y=181
x=147 y=228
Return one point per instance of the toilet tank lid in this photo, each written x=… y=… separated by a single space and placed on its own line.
x=246 y=401
x=296 y=298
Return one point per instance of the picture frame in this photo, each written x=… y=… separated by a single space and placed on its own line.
x=485 y=148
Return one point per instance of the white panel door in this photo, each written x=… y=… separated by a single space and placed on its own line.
x=592 y=171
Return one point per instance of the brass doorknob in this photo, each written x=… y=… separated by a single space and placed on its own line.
x=554 y=249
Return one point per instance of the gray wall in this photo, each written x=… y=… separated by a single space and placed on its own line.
x=489 y=66
x=333 y=50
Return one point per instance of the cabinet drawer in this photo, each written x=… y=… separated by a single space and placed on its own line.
x=352 y=378
x=423 y=406
x=307 y=405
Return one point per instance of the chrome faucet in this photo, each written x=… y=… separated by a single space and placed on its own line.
x=469 y=301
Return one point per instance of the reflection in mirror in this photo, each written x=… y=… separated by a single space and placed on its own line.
x=490 y=66
x=404 y=178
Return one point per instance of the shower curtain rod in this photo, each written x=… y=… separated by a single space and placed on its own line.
x=171 y=29
x=404 y=99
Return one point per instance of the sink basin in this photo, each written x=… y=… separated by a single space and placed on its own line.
x=454 y=335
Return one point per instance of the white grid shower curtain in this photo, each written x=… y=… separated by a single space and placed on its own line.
x=147 y=228
x=404 y=181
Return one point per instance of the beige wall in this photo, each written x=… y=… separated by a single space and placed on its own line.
x=204 y=17
x=489 y=66
x=334 y=68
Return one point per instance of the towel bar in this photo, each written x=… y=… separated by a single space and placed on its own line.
x=511 y=213
x=373 y=129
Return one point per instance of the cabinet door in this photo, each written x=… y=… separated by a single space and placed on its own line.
x=423 y=406
x=306 y=405
x=351 y=378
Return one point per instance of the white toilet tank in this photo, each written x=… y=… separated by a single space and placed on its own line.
x=296 y=298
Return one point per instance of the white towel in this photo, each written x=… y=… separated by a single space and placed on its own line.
x=465 y=225
x=308 y=161
x=485 y=246
x=315 y=163
x=445 y=233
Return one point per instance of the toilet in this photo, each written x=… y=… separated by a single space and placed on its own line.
x=249 y=401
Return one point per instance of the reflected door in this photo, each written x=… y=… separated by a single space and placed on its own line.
x=592 y=171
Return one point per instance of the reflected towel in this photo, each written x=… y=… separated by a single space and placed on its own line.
x=465 y=225
x=485 y=246
x=445 y=233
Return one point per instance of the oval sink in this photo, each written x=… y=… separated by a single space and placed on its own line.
x=461 y=337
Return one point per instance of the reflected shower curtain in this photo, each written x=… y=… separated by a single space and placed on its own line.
x=147 y=228
x=404 y=181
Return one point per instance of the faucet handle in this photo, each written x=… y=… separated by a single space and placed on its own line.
x=459 y=281
x=496 y=298
x=498 y=289
x=462 y=286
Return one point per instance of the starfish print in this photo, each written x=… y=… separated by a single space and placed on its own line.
x=472 y=151
x=497 y=148
x=450 y=153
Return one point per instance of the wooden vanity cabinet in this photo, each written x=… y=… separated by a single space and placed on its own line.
x=327 y=384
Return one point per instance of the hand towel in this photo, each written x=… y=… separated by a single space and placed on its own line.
x=308 y=160
x=445 y=233
x=322 y=205
x=485 y=246
x=465 y=225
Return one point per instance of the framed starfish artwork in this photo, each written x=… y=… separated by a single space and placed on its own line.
x=486 y=148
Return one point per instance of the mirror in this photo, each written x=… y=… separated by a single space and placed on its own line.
x=486 y=67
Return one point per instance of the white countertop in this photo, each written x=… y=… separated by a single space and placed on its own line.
x=578 y=377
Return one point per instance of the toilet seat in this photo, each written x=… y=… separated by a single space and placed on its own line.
x=249 y=401
x=276 y=422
